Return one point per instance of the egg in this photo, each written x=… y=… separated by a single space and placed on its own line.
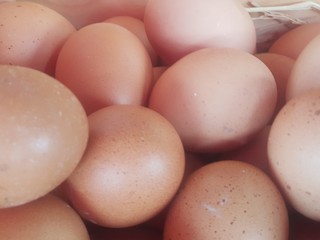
x=305 y=71
x=176 y=29
x=227 y=200
x=131 y=169
x=217 y=99
x=292 y=42
x=44 y=132
x=293 y=152
x=85 y=12
x=136 y=26
x=281 y=67
x=46 y=218
x=32 y=35
x=105 y=64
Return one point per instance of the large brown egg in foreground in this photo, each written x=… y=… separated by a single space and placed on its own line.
x=132 y=167
x=44 y=132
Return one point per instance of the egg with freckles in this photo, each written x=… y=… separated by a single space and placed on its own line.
x=217 y=99
x=131 y=169
x=31 y=35
x=227 y=200
x=44 y=132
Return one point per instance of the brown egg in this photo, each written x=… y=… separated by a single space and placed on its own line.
x=132 y=167
x=305 y=71
x=32 y=35
x=281 y=67
x=44 y=132
x=136 y=26
x=176 y=29
x=113 y=67
x=217 y=99
x=85 y=12
x=293 y=150
x=227 y=200
x=46 y=218
x=291 y=43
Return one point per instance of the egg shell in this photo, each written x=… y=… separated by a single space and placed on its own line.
x=132 y=167
x=84 y=12
x=293 y=152
x=305 y=71
x=32 y=35
x=281 y=67
x=227 y=200
x=105 y=64
x=44 y=132
x=46 y=218
x=217 y=99
x=176 y=29
x=136 y=26
x=292 y=42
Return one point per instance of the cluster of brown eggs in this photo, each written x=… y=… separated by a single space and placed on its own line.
x=155 y=119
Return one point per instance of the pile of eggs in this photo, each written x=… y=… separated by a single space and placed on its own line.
x=155 y=119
